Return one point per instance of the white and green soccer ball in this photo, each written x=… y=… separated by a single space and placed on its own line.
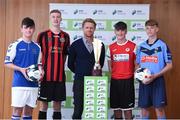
x=33 y=73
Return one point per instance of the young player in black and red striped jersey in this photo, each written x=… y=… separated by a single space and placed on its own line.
x=54 y=44
x=121 y=63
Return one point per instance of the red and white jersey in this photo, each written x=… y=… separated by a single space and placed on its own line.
x=122 y=57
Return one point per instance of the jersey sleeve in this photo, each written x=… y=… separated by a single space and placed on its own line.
x=39 y=62
x=138 y=54
x=167 y=54
x=11 y=53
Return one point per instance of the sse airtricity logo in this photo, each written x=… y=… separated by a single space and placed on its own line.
x=64 y=24
x=101 y=25
x=77 y=25
x=137 y=12
x=118 y=12
x=113 y=38
x=98 y=12
x=137 y=25
x=79 y=11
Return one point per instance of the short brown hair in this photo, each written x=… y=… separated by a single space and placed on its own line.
x=89 y=20
x=55 y=11
x=151 y=22
x=28 y=22
x=120 y=26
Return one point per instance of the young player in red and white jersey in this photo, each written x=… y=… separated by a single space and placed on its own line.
x=121 y=59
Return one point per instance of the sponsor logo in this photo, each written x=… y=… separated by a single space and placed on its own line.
x=101 y=102
x=89 y=82
x=89 y=108
x=98 y=12
x=121 y=57
x=118 y=12
x=89 y=95
x=7 y=58
x=101 y=25
x=127 y=49
x=89 y=115
x=139 y=25
x=22 y=49
x=64 y=24
x=101 y=109
x=113 y=38
x=55 y=49
x=153 y=59
x=89 y=102
x=77 y=25
x=137 y=12
x=79 y=11
x=63 y=12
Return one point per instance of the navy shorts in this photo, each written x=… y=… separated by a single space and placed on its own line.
x=52 y=91
x=122 y=95
x=153 y=94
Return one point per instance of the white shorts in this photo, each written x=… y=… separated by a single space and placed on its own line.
x=22 y=96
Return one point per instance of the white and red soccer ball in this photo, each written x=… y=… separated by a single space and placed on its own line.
x=142 y=74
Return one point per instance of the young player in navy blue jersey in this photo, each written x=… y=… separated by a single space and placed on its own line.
x=155 y=55
x=20 y=55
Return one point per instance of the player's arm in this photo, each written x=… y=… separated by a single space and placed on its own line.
x=17 y=68
x=108 y=57
x=136 y=61
x=136 y=65
x=72 y=58
x=163 y=71
x=39 y=62
x=10 y=55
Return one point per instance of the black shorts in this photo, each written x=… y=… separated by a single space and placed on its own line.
x=52 y=91
x=122 y=94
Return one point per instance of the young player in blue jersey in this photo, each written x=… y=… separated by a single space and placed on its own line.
x=21 y=54
x=155 y=55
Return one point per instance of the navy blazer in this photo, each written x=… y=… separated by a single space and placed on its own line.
x=80 y=61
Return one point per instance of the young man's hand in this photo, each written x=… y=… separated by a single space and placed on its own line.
x=23 y=71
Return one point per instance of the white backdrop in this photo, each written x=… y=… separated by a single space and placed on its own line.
x=105 y=15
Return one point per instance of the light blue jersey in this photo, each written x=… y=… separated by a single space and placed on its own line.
x=154 y=57
x=23 y=54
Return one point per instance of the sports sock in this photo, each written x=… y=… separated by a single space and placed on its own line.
x=27 y=117
x=56 y=115
x=42 y=115
x=15 y=117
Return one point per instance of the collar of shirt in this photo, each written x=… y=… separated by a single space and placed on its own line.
x=88 y=45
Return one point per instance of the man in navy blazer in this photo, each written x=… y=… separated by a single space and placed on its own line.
x=81 y=61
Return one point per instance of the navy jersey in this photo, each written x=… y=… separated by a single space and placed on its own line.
x=23 y=54
x=154 y=57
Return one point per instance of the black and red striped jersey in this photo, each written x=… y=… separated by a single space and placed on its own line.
x=54 y=49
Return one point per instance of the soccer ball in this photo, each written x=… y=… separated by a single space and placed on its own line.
x=33 y=73
x=142 y=74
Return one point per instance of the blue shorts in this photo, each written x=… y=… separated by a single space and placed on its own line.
x=153 y=94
